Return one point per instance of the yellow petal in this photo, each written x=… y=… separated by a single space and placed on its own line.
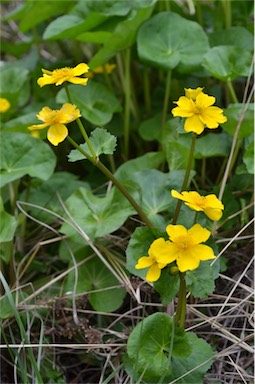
x=78 y=80
x=192 y=93
x=4 y=105
x=80 y=69
x=168 y=255
x=144 y=262
x=185 y=107
x=198 y=234
x=213 y=202
x=35 y=127
x=175 y=232
x=46 y=80
x=194 y=124
x=69 y=113
x=203 y=252
x=213 y=213
x=153 y=273
x=158 y=248
x=204 y=101
x=57 y=133
x=187 y=262
x=177 y=195
x=44 y=114
x=212 y=117
x=46 y=72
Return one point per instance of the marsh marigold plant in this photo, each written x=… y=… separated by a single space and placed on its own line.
x=59 y=76
x=198 y=109
x=210 y=204
x=56 y=120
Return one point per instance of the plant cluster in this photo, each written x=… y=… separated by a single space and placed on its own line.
x=152 y=186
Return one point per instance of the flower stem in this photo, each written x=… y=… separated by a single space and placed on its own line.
x=111 y=177
x=166 y=99
x=232 y=91
x=80 y=125
x=186 y=177
x=147 y=97
x=181 y=306
x=127 y=103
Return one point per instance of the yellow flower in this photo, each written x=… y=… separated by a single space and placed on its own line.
x=192 y=93
x=209 y=204
x=158 y=259
x=35 y=134
x=107 y=68
x=199 y=112
x=56 y=120
x=185 y=247
x=4 y=105
x=59 y=76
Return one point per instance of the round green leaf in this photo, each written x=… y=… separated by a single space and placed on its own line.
x=248 y=157
x=149 y=345
x=150 y=354
x=93 y=276
x=167 y=40
x=96 y=103
x=239 y=37
x=22 y=154
x=227 y=62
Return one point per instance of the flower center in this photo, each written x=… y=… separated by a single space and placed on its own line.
x=183 y=243
x=63 y=72
x=200 y=201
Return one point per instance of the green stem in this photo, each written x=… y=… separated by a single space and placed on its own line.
x=80 y=125
x=127 y=103
x=111 y=177
x=166 y=99
x=232 y=91
x=147 y=96
x=228 y=13
x=186 y=177
x=181 y=306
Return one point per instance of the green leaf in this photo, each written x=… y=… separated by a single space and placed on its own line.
x=227 y=62
x=234 y=113
x=248 y=157
x=45 y=194
x=70 y=26
x=93 y=276
x=97 y=216
x=122 y=38
x=12 y=79
x=238 y=37
x=147 y=161
x=212 y=145
x=35 y=12
x=168 y=40
x=96 y=103
x=99 y=37
x=138 y=246
x=149 y=347
x=102 y=142
x=8 y=224
x=149 y=129
x=167 y=286
x=22 y=154
x=20 y=123
x=154 y=193
x=201 y=281
x=109 y=7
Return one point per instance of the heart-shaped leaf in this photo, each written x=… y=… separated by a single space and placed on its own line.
x=22 y=154
x=168 y=40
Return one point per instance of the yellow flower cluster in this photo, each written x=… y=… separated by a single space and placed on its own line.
x=184 y=245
